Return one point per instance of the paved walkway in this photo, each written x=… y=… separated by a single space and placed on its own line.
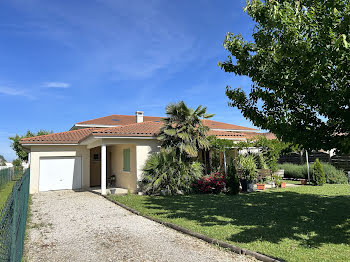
x=82 y=226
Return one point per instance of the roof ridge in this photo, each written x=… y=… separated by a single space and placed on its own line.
x=112 y=116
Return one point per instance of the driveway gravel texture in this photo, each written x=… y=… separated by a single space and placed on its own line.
x=82 y=226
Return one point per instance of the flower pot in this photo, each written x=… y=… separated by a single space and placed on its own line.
x=303 y=181
x=260 y=186
x=244 y=185
x=283 y=184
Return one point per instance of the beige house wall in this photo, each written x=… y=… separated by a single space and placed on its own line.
x=143 y=150
x=57 y=151
x=140 y=149
x=124 y=179
x=139 y=152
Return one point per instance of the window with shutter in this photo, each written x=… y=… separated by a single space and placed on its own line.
x=126 y=160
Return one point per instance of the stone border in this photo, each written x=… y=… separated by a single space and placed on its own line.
x=238 y=250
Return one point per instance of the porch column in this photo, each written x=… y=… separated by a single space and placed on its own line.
x=103 y=169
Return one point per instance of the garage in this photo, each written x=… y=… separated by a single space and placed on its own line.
x=58 y=173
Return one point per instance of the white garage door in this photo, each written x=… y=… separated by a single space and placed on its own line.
x=60 y=173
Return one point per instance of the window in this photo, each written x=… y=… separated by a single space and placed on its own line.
x=96 y=157
x=126 y=160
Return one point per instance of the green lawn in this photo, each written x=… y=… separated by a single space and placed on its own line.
x=303 y=223
x=5 y=191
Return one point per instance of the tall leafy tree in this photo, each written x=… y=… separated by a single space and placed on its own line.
x=17 y=147
x=183 y=130
x=299 y=63
x=2 y=160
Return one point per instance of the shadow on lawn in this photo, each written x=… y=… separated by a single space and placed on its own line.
x=269 y=216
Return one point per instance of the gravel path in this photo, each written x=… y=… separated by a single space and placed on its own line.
x=82 y=226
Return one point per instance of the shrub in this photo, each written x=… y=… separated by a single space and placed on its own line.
x=333 y=175
x=232 y=180
x=213 y=183
x=165 y=173
x=292 y=170
x=248 y=166
x=260 y=161
x=318 y=177
x=278 y=180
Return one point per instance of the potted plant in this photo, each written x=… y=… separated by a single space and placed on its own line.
x=279 y=182
x=249 y=172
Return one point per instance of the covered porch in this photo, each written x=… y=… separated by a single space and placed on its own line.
x=116 y=163
x=113 y=169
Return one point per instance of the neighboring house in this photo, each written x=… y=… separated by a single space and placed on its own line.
x=10 y=165
x=95 y=150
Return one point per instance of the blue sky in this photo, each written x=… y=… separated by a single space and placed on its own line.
x=68 y=61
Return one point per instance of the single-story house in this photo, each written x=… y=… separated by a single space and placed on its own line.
x=94 y=151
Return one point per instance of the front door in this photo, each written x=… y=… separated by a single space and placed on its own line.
x=95 y=167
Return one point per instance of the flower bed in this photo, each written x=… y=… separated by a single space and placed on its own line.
x=213 y=183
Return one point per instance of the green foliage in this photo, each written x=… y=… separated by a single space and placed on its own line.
x=318 y=176
x=2 y=160
x=271 y=149
x=220 y=144
x=164 y=171
x=232 y=180
x=293 y=171
x=215 y=161
x=278 y=180
x=248 y=166
x=183 y=130
x=260 y=161
x=17 y=165
x=299 y=63
x=333 y=175
x=16 y=146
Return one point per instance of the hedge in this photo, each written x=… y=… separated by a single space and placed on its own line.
x=333 y=175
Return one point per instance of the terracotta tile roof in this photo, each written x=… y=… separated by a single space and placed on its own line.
x=267 y=135
x=151 y=129
x=148 y=129
x=144 y=129
x=120 y=120
x=227 y=134
x=69 y=137
x=220 y=125
x=116 y=120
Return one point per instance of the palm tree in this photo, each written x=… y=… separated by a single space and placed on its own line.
x=183 y=130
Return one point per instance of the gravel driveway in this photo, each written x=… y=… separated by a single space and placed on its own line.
x=82 y=226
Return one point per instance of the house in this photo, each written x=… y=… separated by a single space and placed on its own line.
x=94 y=151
